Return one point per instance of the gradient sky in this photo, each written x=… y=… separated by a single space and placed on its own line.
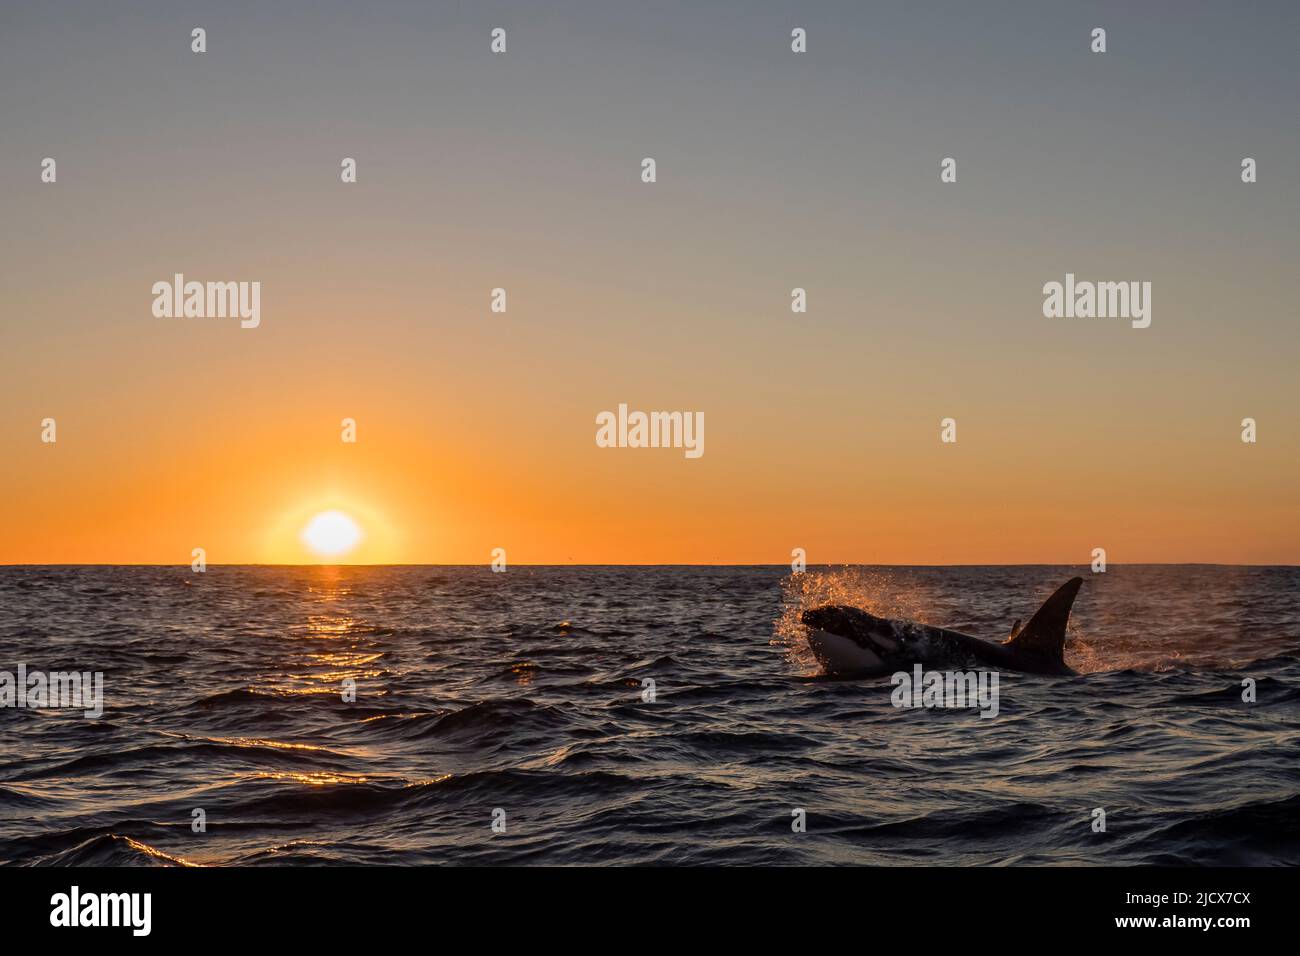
x=776 y=170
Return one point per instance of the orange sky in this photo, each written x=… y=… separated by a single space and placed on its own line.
x=241 y=482
x=477 y=431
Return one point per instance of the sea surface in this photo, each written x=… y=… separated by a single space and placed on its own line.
x=524 y=697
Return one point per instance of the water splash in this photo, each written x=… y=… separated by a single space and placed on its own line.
x=884 y=592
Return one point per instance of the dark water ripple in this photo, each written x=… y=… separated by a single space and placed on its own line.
x=523 y=691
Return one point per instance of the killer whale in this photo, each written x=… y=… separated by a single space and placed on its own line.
x=848 y=640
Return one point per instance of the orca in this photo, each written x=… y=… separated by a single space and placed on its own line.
x=848 y=640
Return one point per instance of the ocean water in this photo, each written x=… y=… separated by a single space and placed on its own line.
x=522 y=693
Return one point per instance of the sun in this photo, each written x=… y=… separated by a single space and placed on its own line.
x=331 y=534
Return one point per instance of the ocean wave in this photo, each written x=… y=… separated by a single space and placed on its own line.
x=107 y=849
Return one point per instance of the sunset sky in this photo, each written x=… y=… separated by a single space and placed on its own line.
x=775 y=170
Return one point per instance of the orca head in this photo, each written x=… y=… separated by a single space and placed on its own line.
x=838 y=619
x=852 y=622
x=846 y=639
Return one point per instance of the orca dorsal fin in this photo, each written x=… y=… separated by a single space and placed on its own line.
x=1015 y=629
x=1044 y=635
